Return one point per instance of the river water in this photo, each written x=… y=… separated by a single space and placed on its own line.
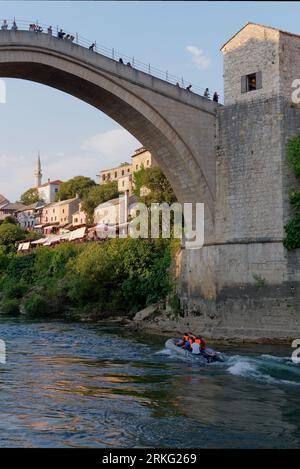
x=78 y=385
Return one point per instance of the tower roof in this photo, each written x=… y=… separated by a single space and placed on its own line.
x=250 y=23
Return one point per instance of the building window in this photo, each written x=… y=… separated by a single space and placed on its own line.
x=116 y=174
x=103 y=177
x=128 y=170
x=137 y=166
x=251 y=82
x=147 y=162
x=123 y=183
x=56 y=190
x=122 y=172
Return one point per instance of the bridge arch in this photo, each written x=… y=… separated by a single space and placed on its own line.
x=177 y=127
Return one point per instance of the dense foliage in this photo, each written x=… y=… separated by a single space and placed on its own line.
x=97 y=195
x=292 y=228
x=157 y=183
x=76 y=186
x=31 y=196
x=96 y=279
x=9 y=234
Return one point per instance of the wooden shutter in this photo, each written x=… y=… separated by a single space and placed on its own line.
x=244 y=84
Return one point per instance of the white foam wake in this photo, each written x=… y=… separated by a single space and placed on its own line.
x=256 y=369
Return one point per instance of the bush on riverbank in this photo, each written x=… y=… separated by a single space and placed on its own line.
x=119 y=276
x=292 y=228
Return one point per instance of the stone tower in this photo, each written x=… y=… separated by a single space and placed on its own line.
x=245 y=284
x=38 y=172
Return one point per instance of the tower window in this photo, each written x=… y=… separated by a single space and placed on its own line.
x=251 y=82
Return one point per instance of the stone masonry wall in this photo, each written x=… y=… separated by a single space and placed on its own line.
x=253 y=49
x=246 y=286
x=289 y=63
x=249 y=164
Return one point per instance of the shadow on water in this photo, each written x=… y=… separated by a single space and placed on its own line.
x=79 y=385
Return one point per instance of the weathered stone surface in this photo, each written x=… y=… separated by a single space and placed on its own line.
x=147 y=313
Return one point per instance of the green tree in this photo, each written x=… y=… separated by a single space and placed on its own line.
x=293 y=155
x=78 y=185
x=10 y=220
x=9 y=234
x=30 y=196
x=97 y=195
x=159 y=186
x=292 y=228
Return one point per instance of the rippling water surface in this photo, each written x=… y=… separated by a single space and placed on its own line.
x=75 y=385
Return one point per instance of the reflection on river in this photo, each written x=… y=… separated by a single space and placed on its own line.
x=75 y=385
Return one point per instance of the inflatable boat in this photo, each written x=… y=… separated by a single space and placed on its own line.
x=207 y=356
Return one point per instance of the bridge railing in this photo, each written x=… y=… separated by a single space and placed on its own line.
x=112 y=53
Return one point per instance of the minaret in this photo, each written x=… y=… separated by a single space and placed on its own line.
x=38 y=172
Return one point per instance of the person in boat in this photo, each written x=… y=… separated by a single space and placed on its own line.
x=186 y=342
x=202 y=344
x=193 y=336
x=187 y=346
x=195 y=347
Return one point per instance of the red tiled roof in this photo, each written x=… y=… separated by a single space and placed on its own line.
x=57 y=182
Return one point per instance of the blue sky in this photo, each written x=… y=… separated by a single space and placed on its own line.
x=73 y=137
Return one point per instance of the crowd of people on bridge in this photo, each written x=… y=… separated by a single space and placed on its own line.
x=4 y=26
x=69 y=37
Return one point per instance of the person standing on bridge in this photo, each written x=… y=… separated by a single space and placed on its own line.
x=206 y=93
x=49 y=30
x=14 y=26
x=60 y=34
x=4 y=26
x=188 y=88
x=216 y=97
x=92 y=46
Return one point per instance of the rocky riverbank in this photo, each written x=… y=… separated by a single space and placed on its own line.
x=157 y=319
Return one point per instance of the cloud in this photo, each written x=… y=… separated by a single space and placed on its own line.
x=199 y=58
x=115 y=145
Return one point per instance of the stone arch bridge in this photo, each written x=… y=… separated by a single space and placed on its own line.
x=176 y=126
x=243 y=283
